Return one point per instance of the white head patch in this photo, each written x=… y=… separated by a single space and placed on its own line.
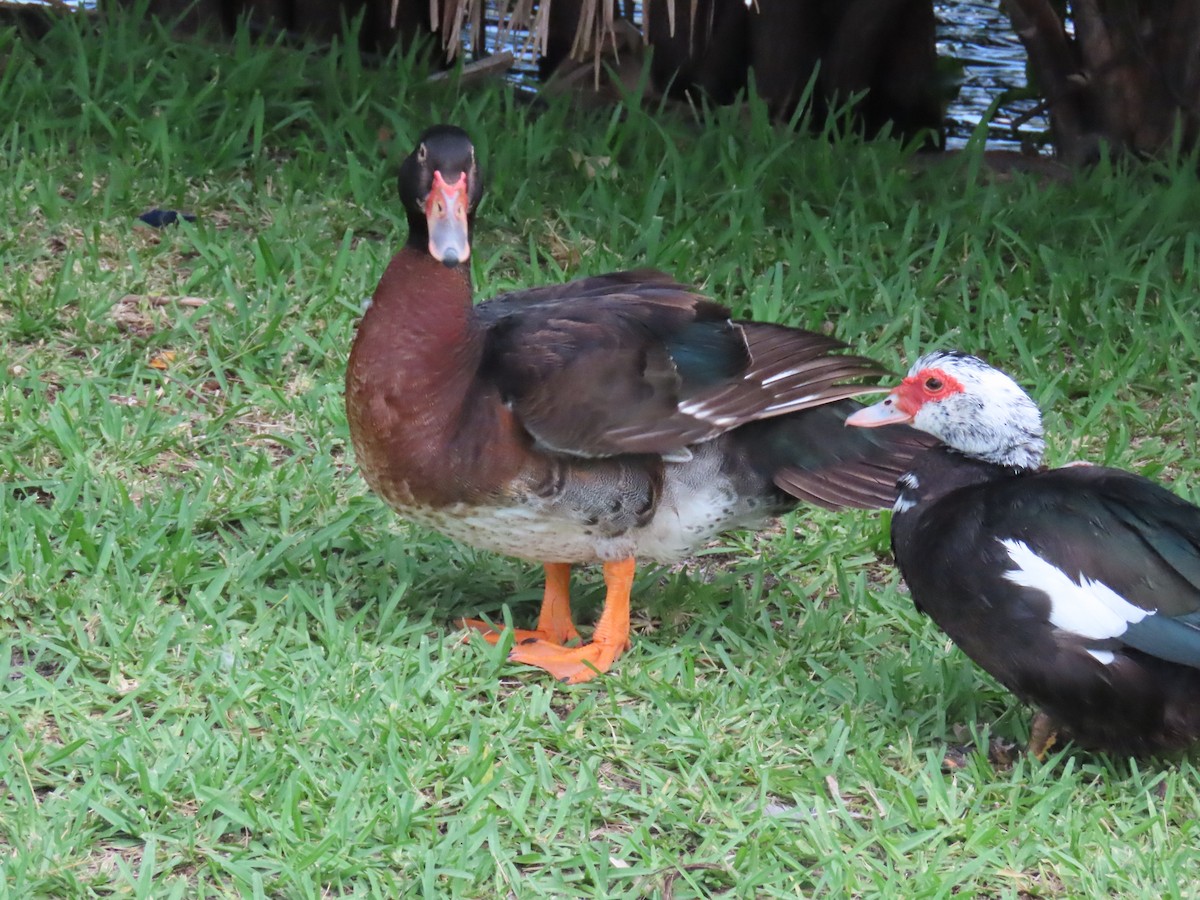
x=991 y=418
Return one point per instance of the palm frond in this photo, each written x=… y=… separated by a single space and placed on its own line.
x=461 y=22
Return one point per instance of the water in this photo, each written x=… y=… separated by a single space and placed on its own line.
x=977 y=34
x=981 y=37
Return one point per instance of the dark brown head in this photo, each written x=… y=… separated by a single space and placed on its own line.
x=440 y=187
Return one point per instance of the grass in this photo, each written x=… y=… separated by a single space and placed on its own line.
x=231 y=672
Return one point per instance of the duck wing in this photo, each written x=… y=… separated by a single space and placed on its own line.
x=1116 y=555
x=815 y=458
x=636 y=363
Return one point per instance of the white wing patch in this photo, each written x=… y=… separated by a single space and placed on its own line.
x=778 y=376
x=1090 y=609
x=908 y=482
x=778 y=409
x=1105 y=656
x=705 y=413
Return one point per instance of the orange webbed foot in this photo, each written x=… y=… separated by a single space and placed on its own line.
x=545 y=647
x=572 y=665
x=491 y=632
x=554 y=621
x=610 y=639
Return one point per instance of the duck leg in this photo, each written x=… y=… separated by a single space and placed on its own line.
x=609 y=640
x=554 y=623
x=1043 y=734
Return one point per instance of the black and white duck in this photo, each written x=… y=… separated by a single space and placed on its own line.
x=1078 y=588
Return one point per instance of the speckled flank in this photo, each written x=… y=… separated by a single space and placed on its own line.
x=698 y=502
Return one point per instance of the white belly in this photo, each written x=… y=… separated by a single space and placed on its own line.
x=695 y=507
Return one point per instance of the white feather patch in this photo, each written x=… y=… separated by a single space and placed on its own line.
x=704 y=413
x=908 y=482
x=779 y=376
x=1090 y=609
x=1105 y=656
x=778 y=409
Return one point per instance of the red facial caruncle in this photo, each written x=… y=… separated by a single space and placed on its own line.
x=907 y=398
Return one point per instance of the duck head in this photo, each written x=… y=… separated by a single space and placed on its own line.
x=440 y=187
x=967 y=405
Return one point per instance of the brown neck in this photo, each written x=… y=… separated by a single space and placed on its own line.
x=411 y=384
x=418 y=335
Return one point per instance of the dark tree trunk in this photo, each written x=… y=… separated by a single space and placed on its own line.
x=561 y=27
x=1128 y=77
x=321 y=19
x=708 y=54
x=883 y=50
x=887 y=49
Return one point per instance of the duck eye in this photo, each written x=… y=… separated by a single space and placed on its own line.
x=933 y=384
x=422 y=153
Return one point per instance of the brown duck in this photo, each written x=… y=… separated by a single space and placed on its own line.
x=607 y=419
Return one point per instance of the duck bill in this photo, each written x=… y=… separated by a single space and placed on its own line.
x=446 y=211
x=886 y=412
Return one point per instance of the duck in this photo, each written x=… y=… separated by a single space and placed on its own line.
x=1077 y=588
x=612 y=419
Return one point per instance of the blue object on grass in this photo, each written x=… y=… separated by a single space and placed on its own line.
x=161 y=218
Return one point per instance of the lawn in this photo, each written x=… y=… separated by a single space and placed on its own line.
x=230 y=671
